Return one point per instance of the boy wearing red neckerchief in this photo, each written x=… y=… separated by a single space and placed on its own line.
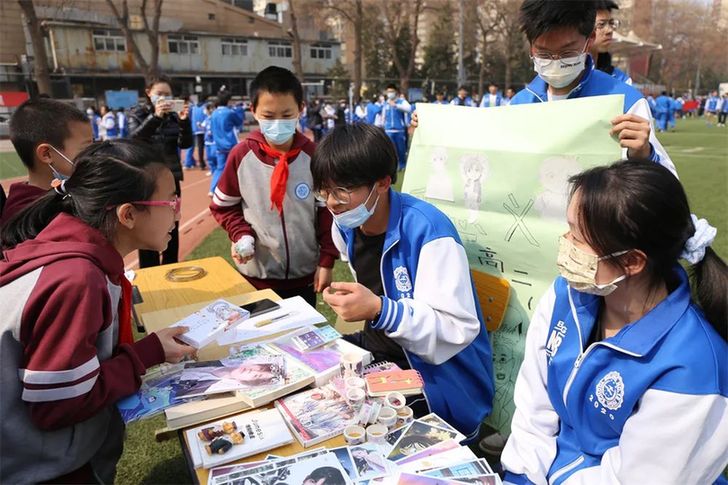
x=280 y=234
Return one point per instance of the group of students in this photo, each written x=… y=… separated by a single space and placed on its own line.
x=108 y=124
x=625 y=376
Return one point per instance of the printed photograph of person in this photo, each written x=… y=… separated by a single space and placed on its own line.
x=226 y=375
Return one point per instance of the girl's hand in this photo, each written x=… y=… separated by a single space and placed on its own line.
x=162 y=108
x=185 y=112
x=174 y=350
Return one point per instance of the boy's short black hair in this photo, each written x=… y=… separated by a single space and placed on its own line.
x=540 y=16
x=41 y=120
x=391 y=86
x=276 y=80
x=223 y=97
x=463 y=88
x=353 y=156
x=606 y=5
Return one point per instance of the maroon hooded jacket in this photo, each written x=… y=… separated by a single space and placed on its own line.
x=62 y=368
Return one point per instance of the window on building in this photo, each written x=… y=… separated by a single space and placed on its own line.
x=210 y=16
x=320 y=51
x=183 y=44
x=234 y=47
x=109 y=41
x=280 y=49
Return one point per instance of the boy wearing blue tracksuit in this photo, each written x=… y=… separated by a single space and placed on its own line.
x=413 y=281
x=394 y=113
x=711 y=107
x=625 y=377
x=723 y=110
x=663 y=107
x=374 y=109
x=493 y=98
x=223 y=123
x=462 y=98
x=560 y=34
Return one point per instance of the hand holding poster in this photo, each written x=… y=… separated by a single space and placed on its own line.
x=501 y=175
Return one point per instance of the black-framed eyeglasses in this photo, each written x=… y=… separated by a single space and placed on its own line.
x=613 y=23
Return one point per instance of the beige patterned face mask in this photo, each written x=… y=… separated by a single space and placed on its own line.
x=579 y=268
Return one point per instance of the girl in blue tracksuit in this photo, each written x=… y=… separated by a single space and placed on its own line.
x=413 y=282
x=625 y=379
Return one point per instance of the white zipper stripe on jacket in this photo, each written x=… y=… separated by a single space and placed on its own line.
x=566 y=469
x=583 y=353
x=384 y=288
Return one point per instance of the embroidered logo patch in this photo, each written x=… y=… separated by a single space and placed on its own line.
x=610 y=391
x=555 y=339
x=302 y=190
x=402 y=279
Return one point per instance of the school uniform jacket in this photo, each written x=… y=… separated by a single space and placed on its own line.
x=395 y=117
x=431 y=309
x=61 y=367
x=288 y=246
x=597 y=83
x=648 y=405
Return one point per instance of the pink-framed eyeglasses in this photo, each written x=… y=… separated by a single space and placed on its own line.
x=175 y=204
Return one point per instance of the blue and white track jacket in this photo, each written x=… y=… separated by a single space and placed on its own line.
x=394 y=117
x=597 y=83
x=646 y=406
x=485 y=101
x=431 y=309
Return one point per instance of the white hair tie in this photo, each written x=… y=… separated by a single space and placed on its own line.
x=694 y=250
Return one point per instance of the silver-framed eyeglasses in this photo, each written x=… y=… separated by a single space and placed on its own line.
x=341 y=195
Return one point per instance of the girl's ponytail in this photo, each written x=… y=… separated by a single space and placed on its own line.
x=710 y=276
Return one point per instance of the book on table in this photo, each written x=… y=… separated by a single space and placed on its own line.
x=317 y=414
x=237 y=437
x=408 y=382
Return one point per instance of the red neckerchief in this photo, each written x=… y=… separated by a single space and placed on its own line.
x=279 y=179
x=125 y=333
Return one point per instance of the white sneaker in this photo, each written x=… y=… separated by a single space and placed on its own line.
x=208 y=173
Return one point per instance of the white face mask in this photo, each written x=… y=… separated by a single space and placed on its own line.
x=579 y=268
x=357 y=216
x=561 y=72
x=56 y=173
x=391 y=95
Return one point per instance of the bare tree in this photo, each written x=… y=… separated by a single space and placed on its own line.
x=351 y=11
x=151 y=67
x=488 y=17
x=402 y=17
x=293 y=32
x=40 y=64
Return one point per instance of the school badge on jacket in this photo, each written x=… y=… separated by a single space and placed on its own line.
x=610 y=393
x=402 y=282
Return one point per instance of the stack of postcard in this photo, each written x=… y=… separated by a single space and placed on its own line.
x=426 y=452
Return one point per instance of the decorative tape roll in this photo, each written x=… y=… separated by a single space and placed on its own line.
x=185 y=273
x=354 y=435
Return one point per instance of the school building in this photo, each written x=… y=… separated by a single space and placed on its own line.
x=203 y=44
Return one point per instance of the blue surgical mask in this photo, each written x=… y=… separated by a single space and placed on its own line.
x=56 y=173
x=277 y=132
x=357 y=216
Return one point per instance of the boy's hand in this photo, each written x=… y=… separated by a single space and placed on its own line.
x=174 y=350
x=634 y=134
x=322 y=279
x=352 y=301
x=415 y=120
x=243 y=250
x=237 y=258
